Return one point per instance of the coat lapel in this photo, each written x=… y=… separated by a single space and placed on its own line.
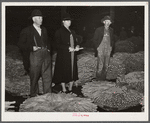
x=66 y=29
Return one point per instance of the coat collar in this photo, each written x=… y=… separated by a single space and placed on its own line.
x=34 y=27
x=102 y=29
x=63 y=27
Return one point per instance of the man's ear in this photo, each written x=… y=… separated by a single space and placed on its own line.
x=33 y=19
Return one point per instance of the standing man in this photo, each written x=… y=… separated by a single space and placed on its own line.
x=35 y=39
x=103 y=41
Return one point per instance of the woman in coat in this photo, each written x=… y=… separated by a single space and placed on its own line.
x=66 y=60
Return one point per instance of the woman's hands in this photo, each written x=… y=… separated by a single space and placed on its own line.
x=77 y=48
x=35 y=48
x=71 y=49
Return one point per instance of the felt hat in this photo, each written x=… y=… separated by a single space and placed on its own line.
x=106 y=18
x=36 y=12
x=66 y=16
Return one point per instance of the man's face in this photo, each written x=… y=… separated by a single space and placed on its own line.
x=67 y=22
x=38 y=20
x=107 y=23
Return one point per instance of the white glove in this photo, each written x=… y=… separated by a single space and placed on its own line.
x=71 y=49
x=77 y=48
x=35 y=48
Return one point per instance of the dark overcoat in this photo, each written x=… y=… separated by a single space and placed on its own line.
x=98 y=37
x=63 y=71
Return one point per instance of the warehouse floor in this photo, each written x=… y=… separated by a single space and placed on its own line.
x=56 y=89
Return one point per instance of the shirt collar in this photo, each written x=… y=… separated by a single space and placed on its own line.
x=36 y=27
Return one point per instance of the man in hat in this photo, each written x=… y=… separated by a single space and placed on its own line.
x=35 y=40
x=103 y=41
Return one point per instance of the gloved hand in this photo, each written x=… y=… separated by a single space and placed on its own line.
x=77 y=48
x=71 y=49
x=35 y=48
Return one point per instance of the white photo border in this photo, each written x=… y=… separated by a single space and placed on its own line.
x=57 y=116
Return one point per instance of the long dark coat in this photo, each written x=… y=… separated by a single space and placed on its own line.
x=63 y=70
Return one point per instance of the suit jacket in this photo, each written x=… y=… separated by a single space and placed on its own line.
x=26 y=40
x=98 y=36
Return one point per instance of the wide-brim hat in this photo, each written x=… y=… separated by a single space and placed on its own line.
x=106 y=18
x=36 y=12
x=66 y=16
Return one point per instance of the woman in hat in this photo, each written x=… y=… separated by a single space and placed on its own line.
x=66 y=60
x=103 y=40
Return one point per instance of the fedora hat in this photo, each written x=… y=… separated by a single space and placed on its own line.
x=66 y=16
x=36 y=12
x=106 y=18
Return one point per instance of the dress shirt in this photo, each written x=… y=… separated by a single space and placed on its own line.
x=38 y=29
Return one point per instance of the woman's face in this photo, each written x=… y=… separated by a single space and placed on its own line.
x=67 y=23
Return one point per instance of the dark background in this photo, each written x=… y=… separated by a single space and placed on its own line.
x=83 y=16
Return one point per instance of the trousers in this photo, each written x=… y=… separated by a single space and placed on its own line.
x=104 y=51
x=40 y=66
